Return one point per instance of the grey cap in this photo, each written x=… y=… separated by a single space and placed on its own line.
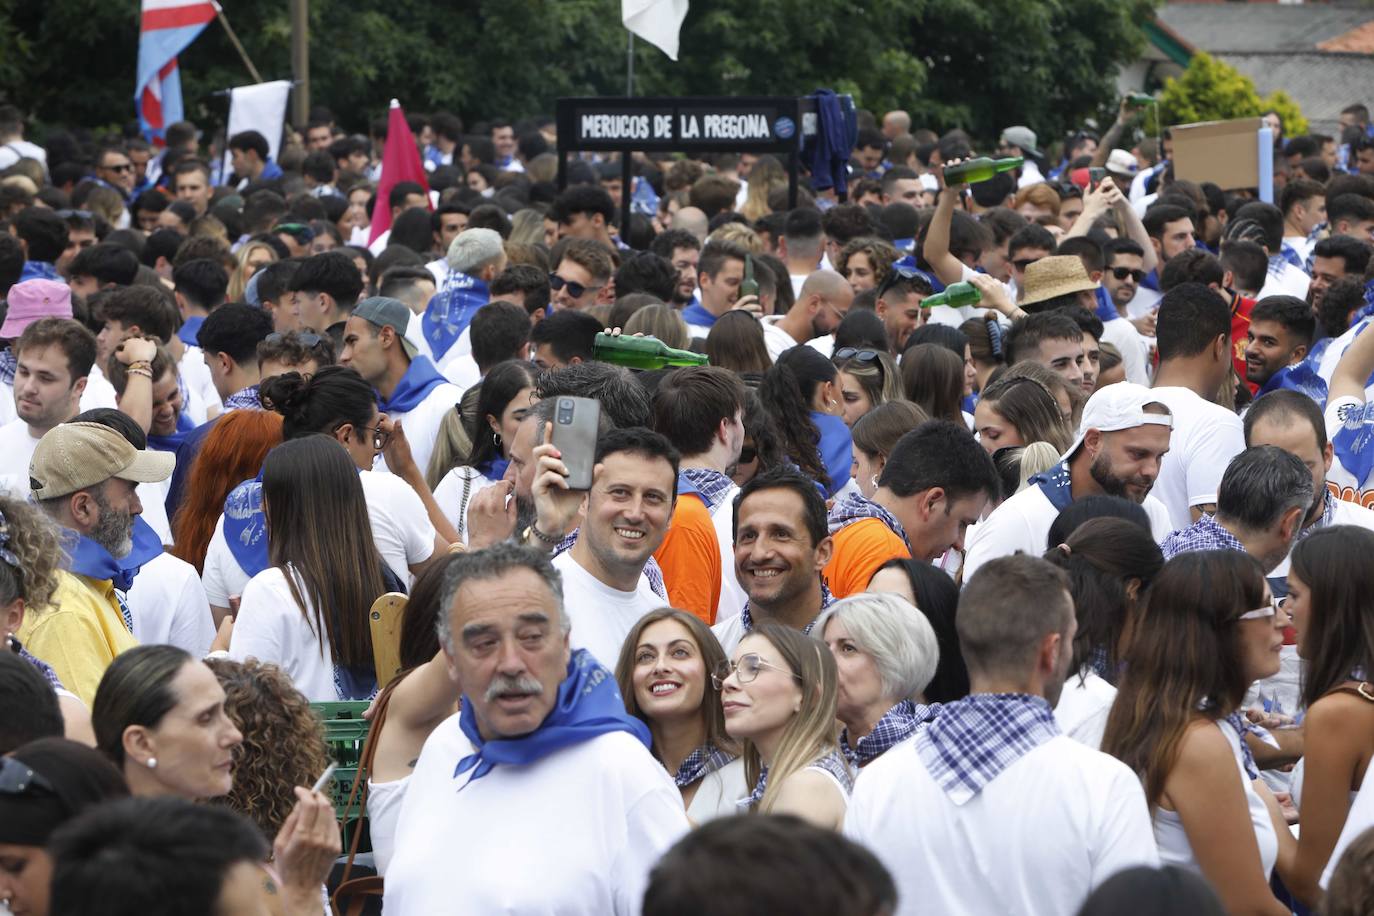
x=1022 y=137
x=383 y=311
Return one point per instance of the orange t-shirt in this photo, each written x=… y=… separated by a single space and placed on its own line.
x=690 y=559
x=861 y=547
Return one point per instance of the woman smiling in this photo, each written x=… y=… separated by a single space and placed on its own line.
x=664 y=681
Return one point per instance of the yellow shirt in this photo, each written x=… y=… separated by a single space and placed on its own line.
x=79 y=634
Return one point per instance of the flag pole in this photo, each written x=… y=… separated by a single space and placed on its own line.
x=238 y=46
x=630 y=64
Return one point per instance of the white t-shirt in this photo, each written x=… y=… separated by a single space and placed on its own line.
x=1286 y=280
x=1037 y=839
x=272 y=628
x=1174 y=847
x=415 y=333
x=200 y=386
x=729 y=632
x=574 y=834
x=1023 y=523
x=400 y=528
x=1350 y=489
x=1360 y=819
x=460 y=369
x=169 y=606
x=14 y=150
x=601 y=616
x=1143 y=303
x=1121 y=334
x=775 y=338
x=1301 y=244
x=455 y=493
x=1083 y=708
x=421 y=425
x=384 y=800
x=1345 y=513
x=1205 y=438
x=439 y=269
x=732 y=596
x=97 y=393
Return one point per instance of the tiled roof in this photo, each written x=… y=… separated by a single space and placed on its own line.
x=1358 y=41
x=1321 y=84
x=1219 y=28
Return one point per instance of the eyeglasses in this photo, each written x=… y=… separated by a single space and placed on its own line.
x=1121 y=273
x=380 y=437
x=1022 y=263
x=746 y=670
x=125 y=167
x=16 y=778
x=1274 y=607
x=575 y=289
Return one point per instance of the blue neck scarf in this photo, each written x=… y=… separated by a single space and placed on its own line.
x=696 y=314
x=173 y=442
x=836 y=450
x=245 y=526
x=39 y=270
x=450 y=311
x=1056 y=484
x=494 y=468
x=1106 y=308
x=1151 y=280
x=93 y=561
x=588 y=705
x=188 y=331
x=1301 y=377
x=420 y=379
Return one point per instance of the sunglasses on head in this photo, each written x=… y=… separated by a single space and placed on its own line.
x=1122 y=273
x=899 y=273
x=575 y=289
x=863 y=356
x=306 y=338
x=73 y=214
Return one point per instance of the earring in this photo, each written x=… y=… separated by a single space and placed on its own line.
x=875 y=481
x=152 y=763
x=495 y=438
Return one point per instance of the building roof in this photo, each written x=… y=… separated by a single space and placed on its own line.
x=1221 y=28
x=1321 y=83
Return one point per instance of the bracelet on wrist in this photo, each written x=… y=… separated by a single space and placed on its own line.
x=145 y=373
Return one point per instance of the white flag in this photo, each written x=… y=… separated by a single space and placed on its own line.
x=260 y=107
x=656 y=21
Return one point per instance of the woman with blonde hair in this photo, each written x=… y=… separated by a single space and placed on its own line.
x=664 y=675
x=661 y=321
x=875 y=435
x=1036 y=201
x=736 y=343
x=741 y=235
x=779 y=697
x=251 y=258
x=1017 y=410
x=766 y=176
x=869 y=378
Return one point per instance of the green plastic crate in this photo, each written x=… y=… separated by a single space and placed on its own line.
x=345 y=732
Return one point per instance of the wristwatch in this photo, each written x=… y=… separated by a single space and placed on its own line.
x=532 y=532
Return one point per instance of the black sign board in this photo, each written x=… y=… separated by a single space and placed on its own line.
x=745 y=124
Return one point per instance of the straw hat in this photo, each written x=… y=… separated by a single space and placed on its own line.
x=1055 y=276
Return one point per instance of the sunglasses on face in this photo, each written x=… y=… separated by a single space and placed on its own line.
x=575 y=289
x=1121 y=273
x=1022 y=263
x=123 y=167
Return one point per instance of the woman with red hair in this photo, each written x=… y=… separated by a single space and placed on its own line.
x=233 y=452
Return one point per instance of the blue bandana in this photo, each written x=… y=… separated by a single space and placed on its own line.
x=245 y=526
x=708 y=485
x=451 y=310
x=420 y=379
x=173 y=442
x=494 y=468
x=93 y=561
x=974 y=739
x=897 y=724
x=9 y=364
x=832 y=763
x=836 y=450
x=696 y=314
x=243 y=399
x=1106 y=308
x=705 y=759
x=850 y=507
x=746 y=614
x=39 y=270
x=1056 y=484
x=1204 y=534
x=1354 y=442
x=1301 y=377
x=588 y=705
x=190 y=329
x=1241 y=725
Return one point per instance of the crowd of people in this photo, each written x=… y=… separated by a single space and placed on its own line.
x=1029 y=605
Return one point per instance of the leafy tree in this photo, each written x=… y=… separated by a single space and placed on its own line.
x=1212 y=90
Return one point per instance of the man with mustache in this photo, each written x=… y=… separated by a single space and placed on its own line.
x=1123 y=438
x=540 y=794
x=83 y=475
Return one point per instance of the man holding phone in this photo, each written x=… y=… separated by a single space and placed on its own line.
x=633 y=489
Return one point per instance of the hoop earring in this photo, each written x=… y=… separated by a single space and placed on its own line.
x=495 y=438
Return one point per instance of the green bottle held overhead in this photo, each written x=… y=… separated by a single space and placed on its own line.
x=748 y=286
x=956 y=295
x=642 y=352
x=980 y=169
x=1141 y=98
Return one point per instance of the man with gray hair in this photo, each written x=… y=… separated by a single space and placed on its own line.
x=541 y=767
x=992 y=778
x=1263 y=498
x=475 y=258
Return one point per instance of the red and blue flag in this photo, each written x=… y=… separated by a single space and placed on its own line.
x=166 y=28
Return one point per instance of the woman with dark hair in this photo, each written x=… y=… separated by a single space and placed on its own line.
x=869 y=378
x=504 y=399
x=762 y=448
x=308 y=611
x=49 y=782
x=159 y=716
x=1083 y=510
x=1016 y=411
x=934 y=381
x=875 y=435
x=1209 y=629
x=406 y=524
x=934 y=594
x=1110 y=563
x=861 y=329
x=984 y=336
x=955 y=341
x=1331 y=598
x=736 y=343
x=664 y=676
x=283 y=741
x=1145 y=891
x=801 y=392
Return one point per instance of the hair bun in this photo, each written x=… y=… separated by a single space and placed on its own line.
x=283 y=393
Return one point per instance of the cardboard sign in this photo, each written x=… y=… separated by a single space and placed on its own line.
x=1223 y=152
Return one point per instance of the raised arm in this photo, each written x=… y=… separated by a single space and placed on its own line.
x=936 y=249
x=1353 y=370
x=137 y=353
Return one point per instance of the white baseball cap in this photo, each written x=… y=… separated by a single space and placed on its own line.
x=1117 y=407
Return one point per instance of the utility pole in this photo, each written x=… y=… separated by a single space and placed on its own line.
x=300 y=61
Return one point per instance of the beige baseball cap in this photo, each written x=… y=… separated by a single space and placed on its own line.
x=74 y=456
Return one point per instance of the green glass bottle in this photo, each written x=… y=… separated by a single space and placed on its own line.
x=1141 y=98
x=642 y=352
x=956 y=295
x=980 y=169
x=748 y=286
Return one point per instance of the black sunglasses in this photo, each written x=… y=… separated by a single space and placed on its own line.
x=575 y=289
x=126 y=167
x=77 y=214
x=16 y=777
x=1122 y=273
x=306 y=338
x=898 y=274
x=1022 y=263
x=863 y=356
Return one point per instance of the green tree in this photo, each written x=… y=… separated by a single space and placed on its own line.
x=1212 y=90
